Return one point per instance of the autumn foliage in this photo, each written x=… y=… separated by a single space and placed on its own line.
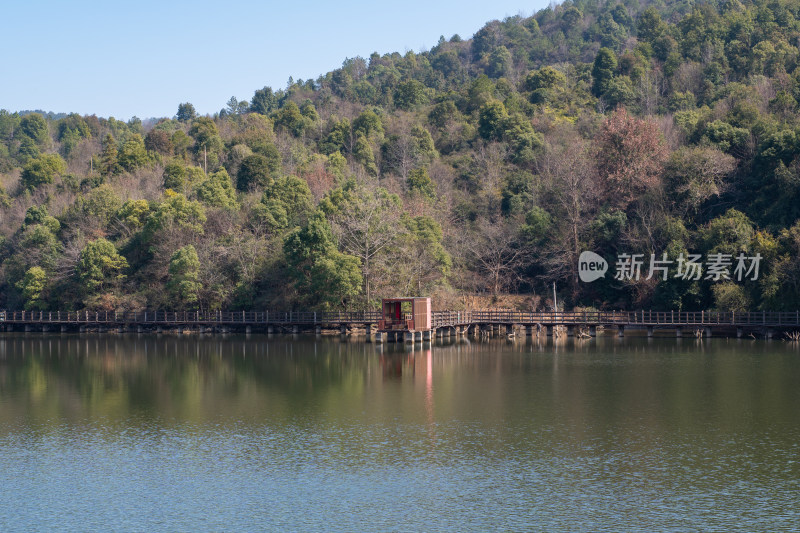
x=630 y=156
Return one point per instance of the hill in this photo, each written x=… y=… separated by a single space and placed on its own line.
x=662 y=132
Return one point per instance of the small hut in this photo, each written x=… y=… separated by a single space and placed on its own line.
x=401 y=315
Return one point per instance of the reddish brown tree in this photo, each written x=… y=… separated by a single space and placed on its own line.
x=158 y=141
x=630 y=157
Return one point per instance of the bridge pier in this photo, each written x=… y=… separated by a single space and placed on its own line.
x=650 y=331
x=770 y=334
x=342 y=330
x=593 y=331
x=426 y=335
x=317 y=330
x=707 y=332
x=620 y=331
x=739 y=333
x=270 y=330
x=412 y=336
x=248 y=330
x=679 y=332
x=368 y=329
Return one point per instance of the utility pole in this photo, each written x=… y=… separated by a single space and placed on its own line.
x=555 y=298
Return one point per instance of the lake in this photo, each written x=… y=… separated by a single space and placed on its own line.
x=234 y=433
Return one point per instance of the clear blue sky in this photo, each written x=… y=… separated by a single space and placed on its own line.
x=145 y=57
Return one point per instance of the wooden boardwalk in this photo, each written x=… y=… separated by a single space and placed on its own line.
x=622 y=318
x=215 y=320
x=765 y=323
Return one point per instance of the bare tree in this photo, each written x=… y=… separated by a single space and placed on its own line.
x=567 y=170
x=497 y=253
x=367 y=223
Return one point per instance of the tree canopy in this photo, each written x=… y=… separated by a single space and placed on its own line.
x=480 y=167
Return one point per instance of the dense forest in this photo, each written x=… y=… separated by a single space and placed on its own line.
x=482 y=166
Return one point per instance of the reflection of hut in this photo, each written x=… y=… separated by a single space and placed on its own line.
x=405 y=318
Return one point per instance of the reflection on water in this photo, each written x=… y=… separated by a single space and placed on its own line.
x=235 y=433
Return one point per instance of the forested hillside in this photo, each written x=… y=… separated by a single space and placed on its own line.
x=481 y=166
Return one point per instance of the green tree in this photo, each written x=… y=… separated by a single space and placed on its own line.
x=175 y=211
x=605 y=63
x=100 y=203
x=325 y=276
x=100 y=266
x=293 y=194
x=368 y=124
x=291 y=119
x=206 y=136
x=492 y=119
x=336 y=279
x=109 y=163
x=257 y=171
x=425 y=256
x=42 y=170
x=500 y=62
x=186 y=112
x=33 y=287
x=175 y=176
x=442 y=113
x=133 y=154
x=362 y=152
x=420 y=182
x=731 y=297
x=309 y=112
x=34 y=127
x=409 y=94
x=133 y=214
x=544 y=84
x=650 y=26
x=729 y=233
x=217 y=190
x=338 y=138
x=264 y=101
x=71 y=130
x=183 y=284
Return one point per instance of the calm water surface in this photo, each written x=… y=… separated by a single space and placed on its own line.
x=145 y=433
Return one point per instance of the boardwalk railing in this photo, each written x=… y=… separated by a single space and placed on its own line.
x=191 y=317
x=439 y=318
x=643 y=318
